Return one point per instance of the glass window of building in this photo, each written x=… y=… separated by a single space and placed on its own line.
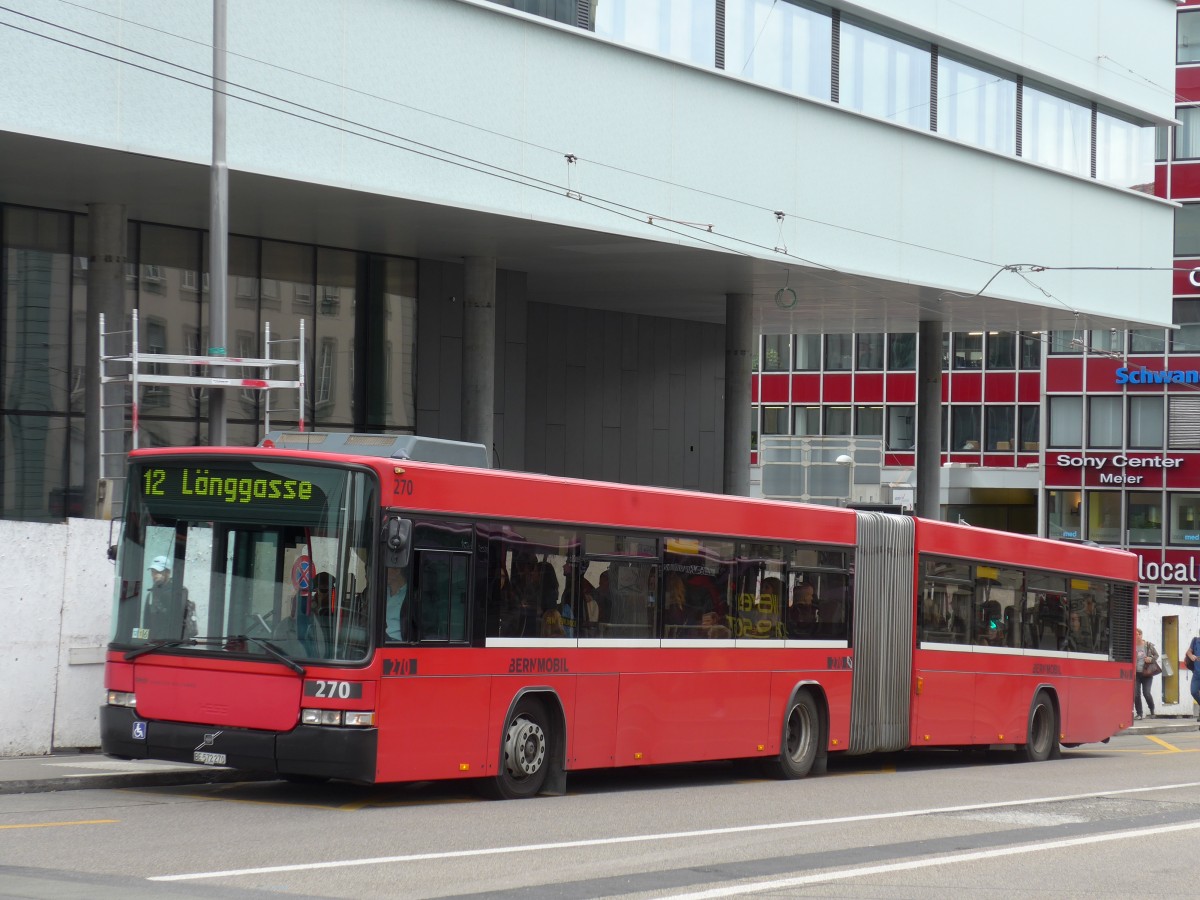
x=968 y=349
x=1147 y=340
x=884 y=76
x=1065 y=342
x=1187 y=132
x=839 y=352
x=776 y=352
x=1186 y=339
x=1185 y=519
x=964 y=427
x=1001 y=350
x=1031 y=349
x=1056 y=131
x=806 y=420
x=1187 y=38
x=901 y=427
x=774 y=420
x=808 y=352
x=1162 y=142
x=1124 y=152
x=1028 y=422
x=870 y=352
x=559 y=10
x=1187 y=230
x=783 y=45
x=999 y=422
x=1146 y=421
x=1110 y=340
x=868 y=421
x=1066 y=421
x=837 y=420
x=680 y=29
x=976 y=105
x=1062 y=507
x=1145 y=517
x=1104 y=421
x=945 y=350
x=1104 y=517
x=902 y=352
x=755 y=416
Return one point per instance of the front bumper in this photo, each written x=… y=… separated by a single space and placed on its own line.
x=310 y=750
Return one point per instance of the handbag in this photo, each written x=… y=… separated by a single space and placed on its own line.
x=1151 y=668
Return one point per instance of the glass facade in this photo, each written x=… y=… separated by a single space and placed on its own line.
x=357 y=307
x=800 y=47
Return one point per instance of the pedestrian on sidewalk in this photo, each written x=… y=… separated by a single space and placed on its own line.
x=1147 y=668
x=1189 y=660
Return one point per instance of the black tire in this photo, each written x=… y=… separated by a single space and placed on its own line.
x=524 y=753
x=1042 y=734
x=801 y=738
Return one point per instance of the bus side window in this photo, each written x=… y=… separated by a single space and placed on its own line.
x=441 y=593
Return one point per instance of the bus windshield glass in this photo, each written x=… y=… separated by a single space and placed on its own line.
x=246 y=556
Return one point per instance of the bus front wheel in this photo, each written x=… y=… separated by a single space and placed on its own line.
x=524 y=754
x=1042 y=735
x=801 y=735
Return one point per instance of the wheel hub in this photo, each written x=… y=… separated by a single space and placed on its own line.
x=524 y=748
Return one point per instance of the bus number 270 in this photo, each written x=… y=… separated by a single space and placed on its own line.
x=403 y=487
x=333 y=690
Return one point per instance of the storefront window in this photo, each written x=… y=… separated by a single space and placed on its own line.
x=1145 y=518
x=1062 y=508
x=1104 y=517
x=1185 y=519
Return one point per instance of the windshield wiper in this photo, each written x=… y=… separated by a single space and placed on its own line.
x=272 y=649
x=170 y=642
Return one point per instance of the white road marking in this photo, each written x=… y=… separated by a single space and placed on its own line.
x=949 y=859
x=671 y=835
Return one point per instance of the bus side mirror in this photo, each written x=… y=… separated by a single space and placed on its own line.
x=397 y=536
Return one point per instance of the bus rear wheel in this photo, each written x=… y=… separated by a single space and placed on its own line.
x=801 y=734
x=1042 y=735
x=524 y=753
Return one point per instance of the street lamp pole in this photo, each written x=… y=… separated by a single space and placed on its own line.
x=218 y=232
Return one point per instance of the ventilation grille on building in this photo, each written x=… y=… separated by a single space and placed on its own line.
x=719 y=60
x=1183 y=423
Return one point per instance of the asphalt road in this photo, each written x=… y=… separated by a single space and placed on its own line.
x=1115 y=820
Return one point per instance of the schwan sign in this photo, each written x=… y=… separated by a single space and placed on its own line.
x=1158 y=376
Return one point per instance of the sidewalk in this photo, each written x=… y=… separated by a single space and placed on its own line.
x=84 y=770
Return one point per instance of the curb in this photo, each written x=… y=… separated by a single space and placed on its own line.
x=127 y=780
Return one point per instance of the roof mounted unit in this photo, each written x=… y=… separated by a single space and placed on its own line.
x=394 y=446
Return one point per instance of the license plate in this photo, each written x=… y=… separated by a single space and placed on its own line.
x=208 y=759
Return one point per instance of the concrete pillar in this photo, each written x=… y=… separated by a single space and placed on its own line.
x=107 y=235
x=479 y=352
x=739 y=364
x=927 y=500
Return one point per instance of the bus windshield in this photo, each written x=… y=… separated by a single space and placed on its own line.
x=248 y=556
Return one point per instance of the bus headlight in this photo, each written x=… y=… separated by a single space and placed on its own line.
x=337 y=717
x=122 y=698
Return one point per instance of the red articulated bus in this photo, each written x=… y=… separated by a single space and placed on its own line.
x=353 y=613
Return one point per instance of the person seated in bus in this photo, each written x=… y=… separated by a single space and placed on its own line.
x=958 y=625
x=802 y=617
x=679 y=619
x=396 y=593
x=988 y=630
x=552 y=624
x=588 y=617
x=709 y=607
x=1075 y=639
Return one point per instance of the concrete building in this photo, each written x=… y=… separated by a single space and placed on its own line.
x=555 y=227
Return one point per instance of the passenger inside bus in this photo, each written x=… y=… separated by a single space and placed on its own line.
x=394 y=612
x=802 y=613
x=679 y=619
